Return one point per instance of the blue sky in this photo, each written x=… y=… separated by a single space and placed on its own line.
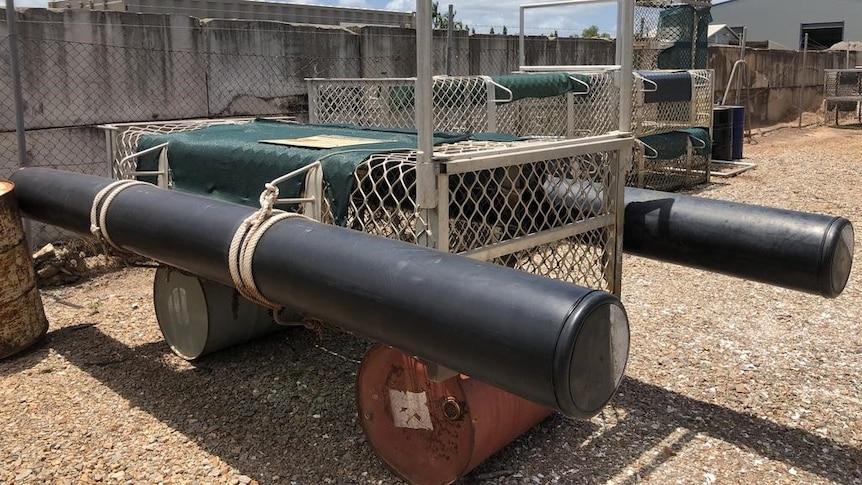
x=484 y=14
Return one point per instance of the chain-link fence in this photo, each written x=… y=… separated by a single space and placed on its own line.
x=87 y=78
x=671 y=34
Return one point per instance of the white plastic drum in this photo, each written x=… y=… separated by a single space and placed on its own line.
x=198 y=316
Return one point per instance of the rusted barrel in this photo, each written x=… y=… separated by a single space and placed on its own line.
x=432 y=433
x=22 y=318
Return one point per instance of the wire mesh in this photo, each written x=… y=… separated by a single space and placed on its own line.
x=842 y=93
x=668 y=174
x=663 y=116
x=512 y=210
x=671 y=34
x=460 y=103
x=468 y=104
x=569 y=116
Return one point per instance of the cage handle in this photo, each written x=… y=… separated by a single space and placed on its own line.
x=645 y=80
x=313 y=197
x=163 y=169
x=584 y=83
x=647 y=147
x=504 y=88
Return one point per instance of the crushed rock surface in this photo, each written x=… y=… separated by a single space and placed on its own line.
x=728 y=381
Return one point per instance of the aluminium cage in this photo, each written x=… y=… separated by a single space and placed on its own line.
x=663 y=41
x=653 y=117
x=552 y=208
x=842 y=92
x=469 y=104
x=651 y=170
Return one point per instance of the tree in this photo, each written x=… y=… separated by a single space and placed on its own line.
x=505 y=30
x=441 y=20
x=592 y=32
x=492 y=31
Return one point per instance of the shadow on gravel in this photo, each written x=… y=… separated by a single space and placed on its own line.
x=229 y=401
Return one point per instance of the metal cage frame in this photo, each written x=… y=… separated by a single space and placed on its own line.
x=663 y=116
x=548 y=206
x=468 y=104
x=842 y=86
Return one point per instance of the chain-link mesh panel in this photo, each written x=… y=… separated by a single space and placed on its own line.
x=460 y=103
x=466 y=103
x=843 y=83
x=670 y=34
x=244 y=85
x=8 y=137
x=521 y=206
x=650 y=117
x=668 y=174
x=571 y=115
x=843 y=93
x=505 y=214
x=383 y=201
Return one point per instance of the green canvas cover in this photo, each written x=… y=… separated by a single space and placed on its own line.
x=229 y=162
x=541 y=85
x=674 y=144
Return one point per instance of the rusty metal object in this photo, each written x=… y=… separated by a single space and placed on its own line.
x=22 y=319
x=434 y=432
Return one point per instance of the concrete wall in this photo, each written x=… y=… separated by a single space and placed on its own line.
x=498 y=54
x=774 y=80
x=251 y=9
x=83 y=67
x=781 y=20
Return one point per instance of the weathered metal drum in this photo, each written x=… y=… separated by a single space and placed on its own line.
x=434 y=432
x=198 y=316
x=22 y=318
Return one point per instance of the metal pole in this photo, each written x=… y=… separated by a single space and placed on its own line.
x=742 y=46
x=15 y=72
x=449 y=34
x=12 y=27
x=426 y=174
x=522 y=56
x=624 y=55
x=802 y=80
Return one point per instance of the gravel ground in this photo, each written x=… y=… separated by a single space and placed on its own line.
x=728 y=381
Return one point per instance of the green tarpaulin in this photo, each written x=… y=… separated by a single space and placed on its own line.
x=541 y=85
x=230 y=163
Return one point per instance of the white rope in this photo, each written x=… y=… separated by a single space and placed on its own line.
x=244 y=243
x=99 y=209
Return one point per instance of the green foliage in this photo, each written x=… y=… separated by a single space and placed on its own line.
x=441 y=19
x=592 y=32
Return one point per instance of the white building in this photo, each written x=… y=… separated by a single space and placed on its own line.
x=787 y=21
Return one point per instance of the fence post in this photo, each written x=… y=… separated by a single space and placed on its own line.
x=802 y=80
x=12 y=27
x=15 y=73
x=449 y=34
